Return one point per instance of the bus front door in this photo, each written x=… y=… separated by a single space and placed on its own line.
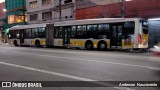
x=66 y=36
x=116 y=36
x=21 y=36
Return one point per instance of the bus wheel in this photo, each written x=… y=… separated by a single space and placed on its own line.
x=102 y=46
x=37 y=43
x=89 y=45
x=15 y=43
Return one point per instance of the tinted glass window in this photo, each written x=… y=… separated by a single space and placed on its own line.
x=13 y=34
x=145 y=27
x=60 y=32
x=92 y=31
x=92 y=28
x=103 y=30
x=73 y=32
x=81 y=30
x=28 y=33
x=35 y=32
x=41 y=33
x=56 y=32
x=129 y=28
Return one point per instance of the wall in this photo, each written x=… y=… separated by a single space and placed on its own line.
x=88 y=13
x=135 y=8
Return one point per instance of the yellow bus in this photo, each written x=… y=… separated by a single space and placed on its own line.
x=102 y=33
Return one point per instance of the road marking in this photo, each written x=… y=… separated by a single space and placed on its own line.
x=60 y=74
x=149 y=67
x=47 y=72
x=91 y=60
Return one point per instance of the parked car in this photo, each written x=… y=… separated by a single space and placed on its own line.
x=155 y=57
x=156 y=50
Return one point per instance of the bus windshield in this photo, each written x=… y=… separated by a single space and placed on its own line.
x=13 y=34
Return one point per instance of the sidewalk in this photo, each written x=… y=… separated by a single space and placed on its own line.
x=4 y=44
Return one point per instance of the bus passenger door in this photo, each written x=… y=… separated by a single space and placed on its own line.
x=66 y=35
x=21 y=36
x=116 y=36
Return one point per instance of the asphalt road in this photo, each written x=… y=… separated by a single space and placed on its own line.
x=57 y=64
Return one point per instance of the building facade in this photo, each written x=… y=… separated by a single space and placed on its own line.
x=15 y=14
x=48 y=11
x=133 y=8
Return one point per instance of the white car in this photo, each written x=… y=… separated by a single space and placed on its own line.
x=156 y=50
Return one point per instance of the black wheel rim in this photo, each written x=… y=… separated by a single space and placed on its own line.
x=102 y=46
x=89 y=46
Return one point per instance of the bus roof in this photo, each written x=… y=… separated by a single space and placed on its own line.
x=75 y=22
x=18 y=27
x=94 y=21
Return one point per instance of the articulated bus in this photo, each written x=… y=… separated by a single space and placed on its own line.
x=104 y=33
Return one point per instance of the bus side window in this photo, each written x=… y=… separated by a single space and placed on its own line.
x=92 y=31
x=81 y=31
x=56 y=32
x=60 y=32
x=32 y=33
x=41 y=32
x=36 y=32
x=84 y=30
x=145 y=27
x=18 y=35
x=103 y=30
x=129 y=29
x=120 y=32
x=73 y=32
x=28 y=33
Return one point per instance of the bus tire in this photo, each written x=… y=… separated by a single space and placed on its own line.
x=15 y=43
x=89 y=45
x=49 y=46
x=37 y=43
x=102 y=45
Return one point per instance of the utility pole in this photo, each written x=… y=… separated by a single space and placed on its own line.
x=60 y=10
x=123 y=9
